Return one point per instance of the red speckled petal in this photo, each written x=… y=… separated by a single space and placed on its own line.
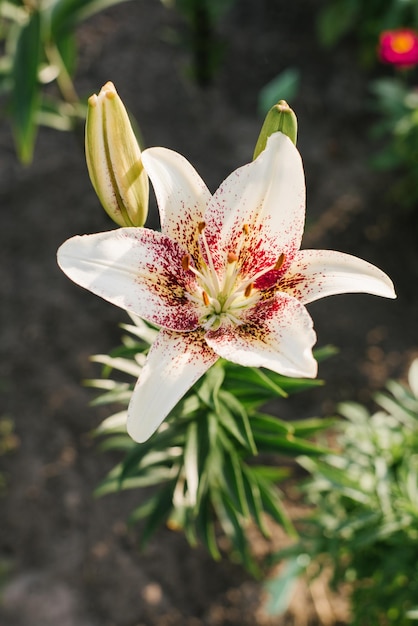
x=181 y=194
x=175 y=362
x=314 y=274
x=269 y=196
x=278 y=335
x=136 y=269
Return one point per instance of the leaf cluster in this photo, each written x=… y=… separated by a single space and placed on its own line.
x=37 y=63
x=365 y=519
x=206 y=471
x=397 y=106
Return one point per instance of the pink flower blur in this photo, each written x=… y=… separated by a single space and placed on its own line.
x=399 y=47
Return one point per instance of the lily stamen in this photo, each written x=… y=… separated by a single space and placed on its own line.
x=280 y=261
x=185 y=262
x=248 y=290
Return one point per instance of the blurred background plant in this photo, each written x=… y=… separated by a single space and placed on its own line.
x=363 y=526
x=396 y=104
x=38 y=61
x=364 y=21
x=201 y=37
x=385 y=31
x=37 y=64
x=213 y=464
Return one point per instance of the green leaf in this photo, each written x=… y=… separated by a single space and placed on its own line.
x=25 y=97
x=270 y=473
x=252 y=385
x=281 y=587
x=347 y=486
x=283 y=87
x=208 y=389
x=205 y=525
x=253 y=497
x=288 y=445
x=335 y=20
x=312 y=426
x=190 y=462
x=127 y=366
x=66 y=14
x=232 y=524
x=234 y=419
x=263 y=422
x=159 y=476
x=273 y=505
x=234 y=482
x=67 y=48
x=155 y=511
x=117 y=442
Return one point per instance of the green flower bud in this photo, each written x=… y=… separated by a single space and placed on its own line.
x=279 y=118
x=114 y=159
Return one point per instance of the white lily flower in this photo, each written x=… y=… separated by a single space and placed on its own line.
x=224 y=278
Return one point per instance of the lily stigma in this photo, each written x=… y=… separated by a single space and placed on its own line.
x=225 y=277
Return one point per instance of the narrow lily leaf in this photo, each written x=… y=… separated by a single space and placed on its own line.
x=115 y=423
x=117 y=442
x=170 y=437
x=160 y=475
x=142 y=330
x=122 y=365
x=206 y=527
x=281 y=588
x=394 y=407
x=413 y=377
x=338 y=477
x=274 y=506
x=271 y=473
x=234 y=418
x=309 y=427
x=272 y=425
x=402 y=394
x=233 y=481
x=66 y=14
x=25 y=96
x=120 y=394
x=232 y=525
x=288 y=445
x=102 y=383
x=190 y=462
x=155 y=511
x=209 y=388
x=254 y=501
x=253 y=386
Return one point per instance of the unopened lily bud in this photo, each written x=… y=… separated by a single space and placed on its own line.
x=279 y=118
x=114 y=159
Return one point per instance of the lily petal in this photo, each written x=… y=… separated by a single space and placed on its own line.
x=279 y=336
x=175 y=362
x=136 y=269
x=314 y=274
x=267 y=197
x=181 y=194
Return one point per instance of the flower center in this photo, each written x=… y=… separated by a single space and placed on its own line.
x=224 y=299
x=402 y=43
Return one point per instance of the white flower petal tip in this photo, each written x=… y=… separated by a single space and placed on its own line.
x=224 y=278
x=175 y=362
x=315 y=274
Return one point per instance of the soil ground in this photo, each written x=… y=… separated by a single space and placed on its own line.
x=68 y=558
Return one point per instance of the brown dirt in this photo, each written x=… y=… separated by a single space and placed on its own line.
x=70 y=560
